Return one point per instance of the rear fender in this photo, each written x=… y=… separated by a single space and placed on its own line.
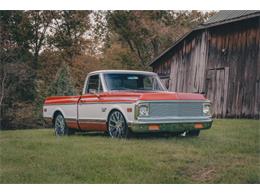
x=57 y=110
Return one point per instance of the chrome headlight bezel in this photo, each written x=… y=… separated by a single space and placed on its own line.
x=206 y=109
x=142 y=110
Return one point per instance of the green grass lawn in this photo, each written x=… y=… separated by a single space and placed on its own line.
x=227 y=153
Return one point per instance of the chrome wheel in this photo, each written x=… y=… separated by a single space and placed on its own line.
x=60 y=126
x=117 y=127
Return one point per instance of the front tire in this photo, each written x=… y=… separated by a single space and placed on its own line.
x=194 y=133
x=117 y=126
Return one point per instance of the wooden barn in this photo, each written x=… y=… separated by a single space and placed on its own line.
x=221 y=59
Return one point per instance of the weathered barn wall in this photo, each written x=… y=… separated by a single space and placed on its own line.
x=185 y=67
x=223 y=62
x=188 y=65
x=233 y=69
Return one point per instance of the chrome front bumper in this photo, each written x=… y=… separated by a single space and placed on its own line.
x=176 y=119
x=172 y=124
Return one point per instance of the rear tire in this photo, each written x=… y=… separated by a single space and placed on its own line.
x=60 y=126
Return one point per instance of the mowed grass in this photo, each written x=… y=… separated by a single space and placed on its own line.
x=227 y=153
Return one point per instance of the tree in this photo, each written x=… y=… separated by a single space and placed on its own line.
x=127 y=26
x=62 y=84
x=118 y=56
x=147 y=33
x=15 y=75
x=69 y=33
x=97 y=33
x=40 y=22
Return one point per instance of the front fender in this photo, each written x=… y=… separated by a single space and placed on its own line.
x=129 y=116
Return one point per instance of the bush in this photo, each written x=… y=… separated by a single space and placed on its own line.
x=63 y=83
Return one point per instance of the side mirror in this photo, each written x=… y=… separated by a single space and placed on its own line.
x=93 y=91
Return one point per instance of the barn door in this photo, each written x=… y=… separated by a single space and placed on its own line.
x=217 y=90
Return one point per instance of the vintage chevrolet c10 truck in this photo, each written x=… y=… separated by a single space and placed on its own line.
x=122 y=102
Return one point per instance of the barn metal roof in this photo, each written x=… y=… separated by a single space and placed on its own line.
x=229 y=16
x=221 y=17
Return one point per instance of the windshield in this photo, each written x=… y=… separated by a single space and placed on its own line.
x=120 y=81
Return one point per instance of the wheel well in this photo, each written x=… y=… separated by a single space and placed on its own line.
x=115 y=109
x=55 y=115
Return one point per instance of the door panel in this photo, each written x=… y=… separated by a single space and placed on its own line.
x=90 y=115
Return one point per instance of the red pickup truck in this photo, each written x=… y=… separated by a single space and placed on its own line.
x=122 y=102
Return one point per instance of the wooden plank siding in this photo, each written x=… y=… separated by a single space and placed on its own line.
x=222 y=62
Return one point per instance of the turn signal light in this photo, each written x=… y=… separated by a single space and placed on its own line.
x=198 y=126
x=154 y=127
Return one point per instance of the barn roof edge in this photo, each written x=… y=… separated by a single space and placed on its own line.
x=208 y=24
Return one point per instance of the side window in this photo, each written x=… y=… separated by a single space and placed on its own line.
x=94 y=84
x=148 y=83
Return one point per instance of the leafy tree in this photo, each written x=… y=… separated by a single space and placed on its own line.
x=118 y=56
x=82 y=65
x=26 y=32
x=69 y=33
x=147 y=33
x=15 y=36
x=40 y=22
x=15 y=89
x=62 y=84
x=15 y=75
x=97 y=33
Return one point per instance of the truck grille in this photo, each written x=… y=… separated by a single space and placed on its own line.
x=178 y=109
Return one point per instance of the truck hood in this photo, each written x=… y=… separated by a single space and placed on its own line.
x=149 y=96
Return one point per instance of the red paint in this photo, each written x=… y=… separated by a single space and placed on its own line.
x=87 y=125
x=62 y=100
x=128 y=97
x=93 y=126
x=109 y=97
x=171 y=96
x=72 y=124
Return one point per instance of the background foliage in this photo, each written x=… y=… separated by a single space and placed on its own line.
x=47 y=53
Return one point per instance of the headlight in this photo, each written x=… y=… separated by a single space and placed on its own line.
x=143 y=110
x=206 y=109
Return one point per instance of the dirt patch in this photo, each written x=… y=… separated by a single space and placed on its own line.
x=204 y=175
